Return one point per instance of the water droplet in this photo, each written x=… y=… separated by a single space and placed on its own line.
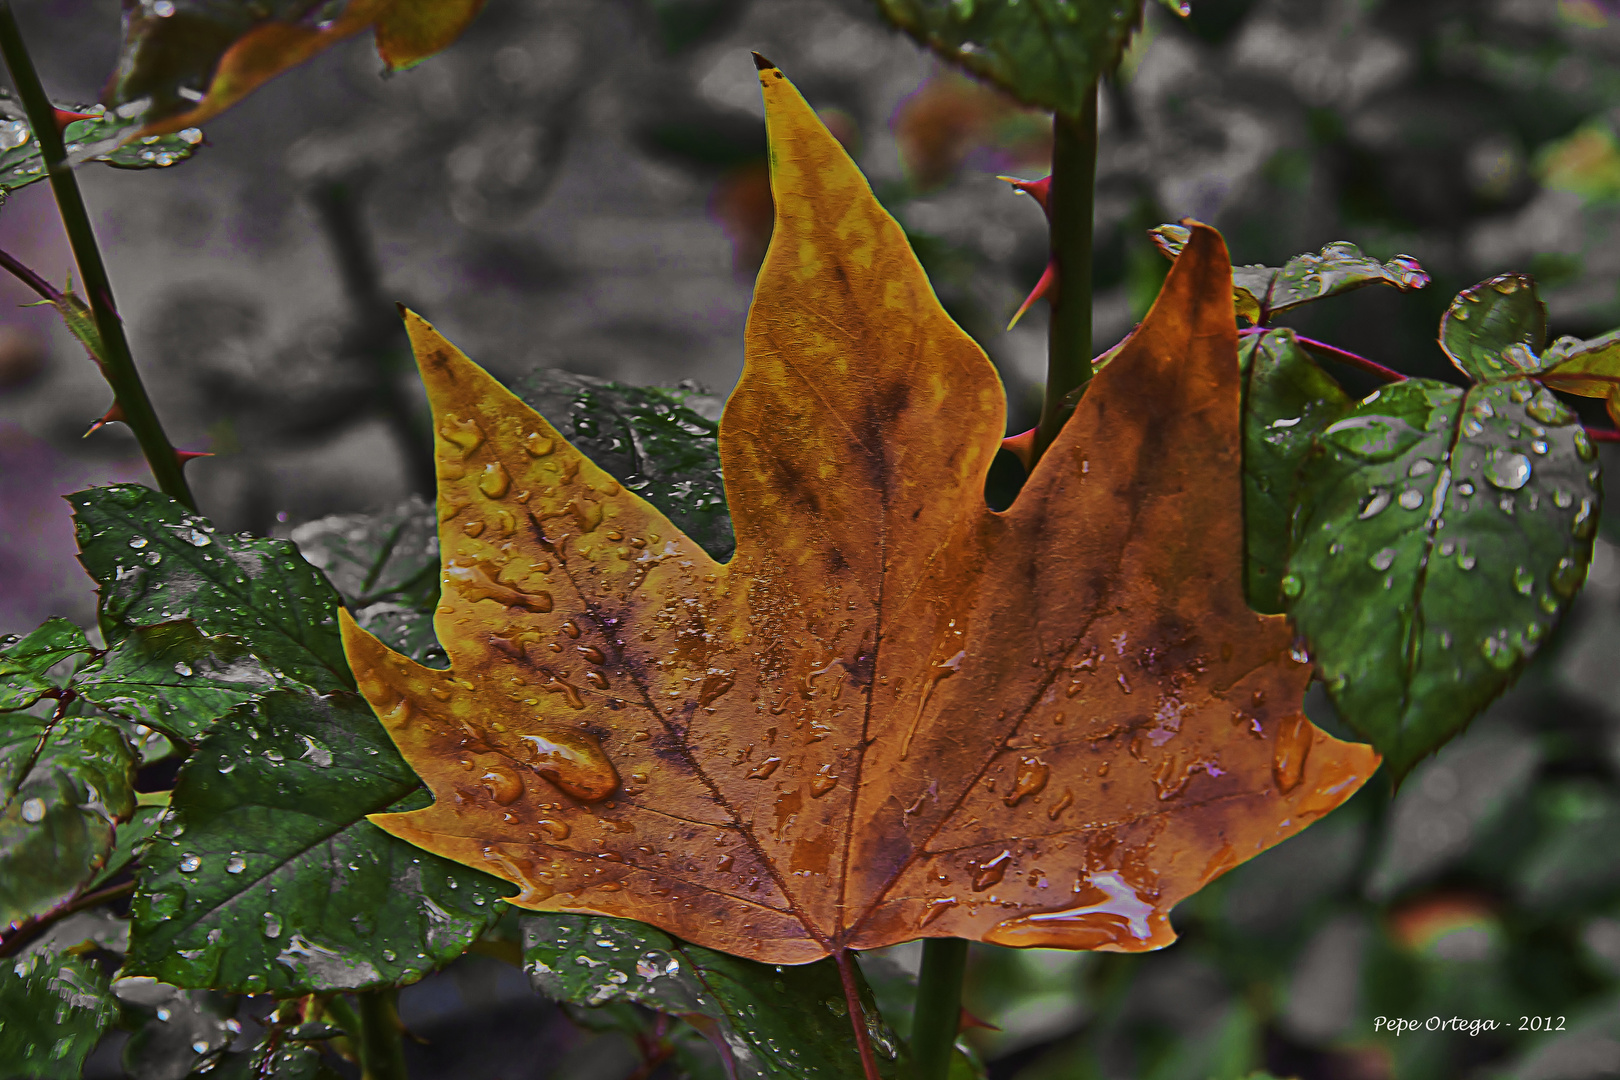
x=1563 y=499
x=163 y=9
x=1420 y=467
x=1374 y=505
x=1548 y=409
x=1471 y=427
x=182 y=668
x=765 y=768
x=1465 y=488
x=1293 y=585
x=592 y=653
x=1290 y=751
x=1382 y=559
x=1585 y=523
x=934 y=909
x=494 y=482
x=1029 y=780
x=823 y=782
x=570 y=629
x=1411 y=499
x=503 y=784
x=537 y=444
x=464 y=435
x=578 y=767
x=138 y=542
x=1538 y=446
x=1466 y=561
x=597 y=679
x=1568 y=576
x=557 y=830
x=33 y=811
x=1500 y=653
x=990 y=873
x=1507 y=470
x=1110 y=913
x=272 y=925
x=189 y=864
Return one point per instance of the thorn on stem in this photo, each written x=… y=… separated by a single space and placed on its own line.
x=116 y=413
x=64 y=118
x=183 y=456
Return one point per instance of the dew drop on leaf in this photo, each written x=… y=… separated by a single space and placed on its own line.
x=1382 y=559
x=189 y=864
x=1375 y=505
x=1506 y=469
x=33 y=811
x=1411 y=499
x=1293 y=585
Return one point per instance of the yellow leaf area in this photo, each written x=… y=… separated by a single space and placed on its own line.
x=894 y=713
x=1586 y=369
x=407 y=32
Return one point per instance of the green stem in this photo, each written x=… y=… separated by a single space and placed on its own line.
x=1070 y=204
x=117 y=363
x=939 y=1006
x=382 y=1050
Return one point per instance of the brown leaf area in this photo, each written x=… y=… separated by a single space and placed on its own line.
x=894 y=713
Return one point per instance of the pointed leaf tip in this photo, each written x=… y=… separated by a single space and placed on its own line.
x=761 y=63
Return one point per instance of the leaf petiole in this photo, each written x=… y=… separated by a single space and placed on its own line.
x=939 y=1006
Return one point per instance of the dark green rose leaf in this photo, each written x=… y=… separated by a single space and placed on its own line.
x=661 y=443
x=156 y=562
x=25 y=662
x=767 y=1021
x=175 y=679
x=1261 y=292
x=288 y=1059
x=1440 y=536
x=267 y=877
x=21 y=162
x=66 y=781
x=179 y=1029
x=1496 y=329
x=53 y=1009
x=1046 y=53
x=1287 y=401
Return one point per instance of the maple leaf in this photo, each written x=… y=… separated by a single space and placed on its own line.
x=894 y=712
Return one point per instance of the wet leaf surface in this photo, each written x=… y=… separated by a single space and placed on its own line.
x=1587 y=368
x=765 y=1021
x=894 y=713
x=175 y=679
x=1046 y=53
x=179 y=1030
x=267 y=877
x=1494 y=330
x=184 y=61
x=285 y=1061
x=1287 y=401
x=1441 y=535
x=131 y=836
x=156 y=563
x=22 y=163
x=1261 y=292
x=65 y=782
x=26 y=662
x=54 y=1009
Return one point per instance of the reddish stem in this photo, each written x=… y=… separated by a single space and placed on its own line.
x=1355 y=360
x=857 y=1012
x=1603 y=434
x=22 y=273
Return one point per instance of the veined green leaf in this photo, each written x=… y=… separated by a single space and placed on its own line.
x=766 y=1021
x=53 y=1009
x=172 y=677
x=155 y=563
x=21 y=162
x=1287 y=401
x=65 y=783
x=1046 y=53
x=267 y=878
x=1440 y=536
x=25 y=661
x=1495 y=329
x=1261 y=292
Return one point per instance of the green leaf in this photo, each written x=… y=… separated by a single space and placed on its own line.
x=156 y=562
x=1494 y=330
x=130 y=836
x=1287 y=401
x=267 y=877
x=1440 y=536
x=1261 y=292
x=21 y=162
x=660 y=442
x=291 y=1059
x=1046 y=53
x=66 y=780
x=767 y=1021
x=53 y=1009
x=1587 y=368
x=25 y=662
x=386 y=566
x=175 y=679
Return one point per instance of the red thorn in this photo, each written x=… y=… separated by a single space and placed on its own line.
x=183 y=456
x=1603 y=435
x=1022 y=447
x=64 y=118
x=116 y=413
x=1038 y=190
x=1043 y=288
x=968 y=1020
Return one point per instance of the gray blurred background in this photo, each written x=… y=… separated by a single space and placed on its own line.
x=581 y=184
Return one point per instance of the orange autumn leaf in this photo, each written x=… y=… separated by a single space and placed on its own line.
x=894 y=713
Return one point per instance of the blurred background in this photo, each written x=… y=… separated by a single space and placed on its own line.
x=581 y=184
